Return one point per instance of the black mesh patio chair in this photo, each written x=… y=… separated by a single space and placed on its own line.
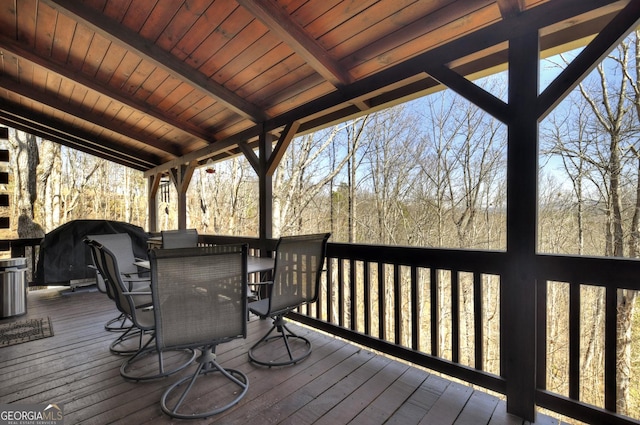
x=296 y=278
x=183 y=238
x=120 y=244
x=147 y=362
x=131 y=338
x=200 y=301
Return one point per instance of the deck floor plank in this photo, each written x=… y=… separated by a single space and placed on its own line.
x=339 y=383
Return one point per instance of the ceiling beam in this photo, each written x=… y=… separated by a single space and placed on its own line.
x=15 y=48
x=589 y=58
x=539 y=17
x=56 y=131
x=278 y=21
x=226 y=146
x=510 y=8
x=493 y=35
x=281 y=147
x=149 y=51
x=85 y=115
x=471 y=91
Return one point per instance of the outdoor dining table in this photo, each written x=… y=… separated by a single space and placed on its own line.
x=254 y=264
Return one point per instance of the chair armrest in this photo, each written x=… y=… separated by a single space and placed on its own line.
x=134 y=293
x=264 y=283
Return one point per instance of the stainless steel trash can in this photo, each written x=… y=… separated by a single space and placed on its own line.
x=13 y=287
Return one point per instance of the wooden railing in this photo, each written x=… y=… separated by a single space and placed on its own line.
x=27 y=248
x=442 y=309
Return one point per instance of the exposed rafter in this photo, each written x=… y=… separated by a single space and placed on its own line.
x=291 y=33
x=55 y=103
x=43 y=126
x=12 y=46
x=160 y=58
x=589 y=58
x=510 y=8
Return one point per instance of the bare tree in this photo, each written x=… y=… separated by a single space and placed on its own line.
x=612 y=111
x=302 y=175
x=25 y=161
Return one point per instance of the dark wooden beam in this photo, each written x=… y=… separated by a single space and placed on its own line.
x=518 y=290
x=43 y=98
x=46 y=63
x=149 y=51
x=281 y=147
x=589 y=58
x=265 y=188
x=472 y=92
x=40 y=125
x=251 y=156
x=152 y=199
x=278 y=21
x=181 y=178
x=539 y=17
x=510 y=8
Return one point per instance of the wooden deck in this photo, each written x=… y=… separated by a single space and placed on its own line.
x=338 y=384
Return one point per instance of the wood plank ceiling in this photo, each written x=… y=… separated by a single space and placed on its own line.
x=144 y=83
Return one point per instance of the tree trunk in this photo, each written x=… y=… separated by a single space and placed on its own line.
x=25 y=154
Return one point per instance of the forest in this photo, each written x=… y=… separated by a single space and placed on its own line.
x=430 y=172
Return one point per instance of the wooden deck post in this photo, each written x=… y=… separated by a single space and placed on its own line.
x=153 y=183
x=265 y=182
x=518 y=298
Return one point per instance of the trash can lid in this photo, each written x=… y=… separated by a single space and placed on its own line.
x=12 y=262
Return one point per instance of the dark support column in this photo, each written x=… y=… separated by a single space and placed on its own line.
x=518 y=295
x=181 y=177
x=266 y=189
x=152 y=197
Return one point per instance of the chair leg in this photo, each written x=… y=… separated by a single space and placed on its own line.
x=118 y=324
x=207 y=364
x=119 y=345
x=148 y=363
x=287 y=337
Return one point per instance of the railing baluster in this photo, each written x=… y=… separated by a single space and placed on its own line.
x=397 y=304
x=367 y=297
x=415 y=310
x=341 y=292
x=382 y=309
x=353 y=307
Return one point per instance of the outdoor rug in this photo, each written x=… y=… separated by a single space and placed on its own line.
x=24 y=331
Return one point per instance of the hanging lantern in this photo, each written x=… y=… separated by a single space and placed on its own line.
x=209 y=167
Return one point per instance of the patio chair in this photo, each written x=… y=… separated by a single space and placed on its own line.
x=183 y=238
x=146 y=363
x=296 y=279
x=199 y=296
x=122 y=345
x=120 y=244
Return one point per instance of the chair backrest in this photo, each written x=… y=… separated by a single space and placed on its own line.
x=96 y=256
x=183 y=238
x=107 y=265
x=121 y=246
x=199 y=295
x=297 y=271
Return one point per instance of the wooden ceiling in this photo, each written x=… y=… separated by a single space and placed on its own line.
x=144 y=83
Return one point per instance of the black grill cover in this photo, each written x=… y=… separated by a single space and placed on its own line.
x=64 y=256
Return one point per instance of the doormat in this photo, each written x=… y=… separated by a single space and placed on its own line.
x=25 y=331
